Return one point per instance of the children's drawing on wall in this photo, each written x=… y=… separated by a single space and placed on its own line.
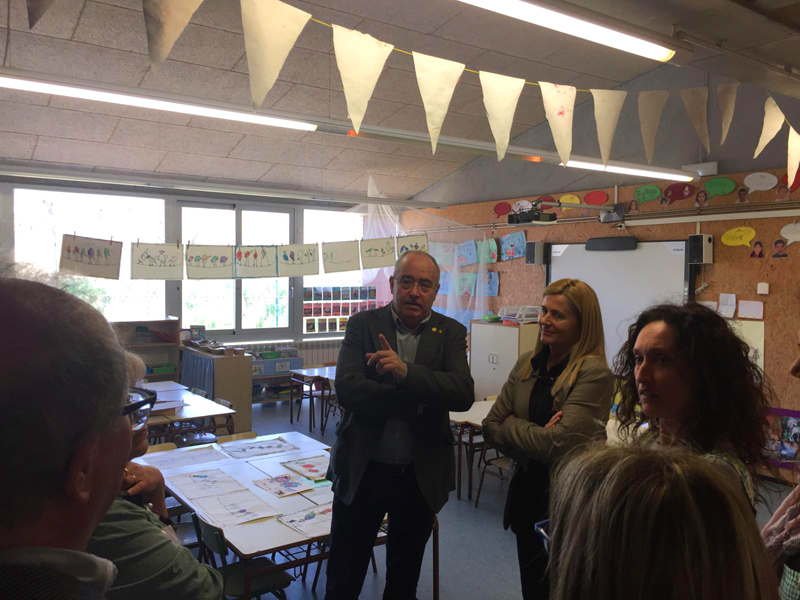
x=780 y=248
x=758 y=250
x=701 y=199
x=467 y=253
x=377 y=253
x=209 y=262
x=298 y=259
x=407 y=243
x=90 y=257
x=487 y=251
x=490 y=286
x=782 y=193
x=156 y=261
x=256 y=261
x=790 y=437
x=512 y=246
x=443 y=253
x=741 y=196
x=678 y=191
x=340 y=256
x=466 y=285
x=445 y=280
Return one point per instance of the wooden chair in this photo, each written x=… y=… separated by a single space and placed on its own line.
x=504 y=466
x=211 y=541
x=245 y=435
x=161 y=447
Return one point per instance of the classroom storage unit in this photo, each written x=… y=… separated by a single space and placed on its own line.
x=157 y=343
x=494 y=349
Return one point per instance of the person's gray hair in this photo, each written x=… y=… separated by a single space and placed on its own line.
x=405 y=256
x=63 y=381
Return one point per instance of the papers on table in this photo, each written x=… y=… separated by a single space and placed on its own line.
x=285 y=485
x=727 y=305
x=163 y=386
x=258 y=448
x=313 y=467
x=234 y=508
x=173 y=460
x=161 y=406
x=204 y=483
x=313 y=522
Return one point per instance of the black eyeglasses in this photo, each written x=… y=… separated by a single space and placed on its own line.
x=140 y=403
x=541 y=529
x=407 y=284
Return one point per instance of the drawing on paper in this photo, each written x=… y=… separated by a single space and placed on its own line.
x=156 y=261
x=90 y=257
x=258 y=448
x=298 y=259
x=443 y=253
x=340 y=256
x=313 y=522
x=467 y=253
x=377 y=253
x=487 y=251
x=209 y=262
x=512 y=246
x=285 y=485
x=256 y=261
x=234 y=508
x=445 y=282
x=204 y=483
x=173 y=460
x=407 y=243
x=466 y=284
x=490 y=285
x=313 y=467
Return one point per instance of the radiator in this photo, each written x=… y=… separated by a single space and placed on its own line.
x=314 y=353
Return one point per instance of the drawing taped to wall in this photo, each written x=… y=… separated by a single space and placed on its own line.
x=256 y=261
x=90 y=256
x=156 y=261
x=512 y=246
x=295 y=260
x=209 y=262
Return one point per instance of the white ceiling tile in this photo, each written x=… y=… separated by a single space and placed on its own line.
x=377 y=109
x=375 y=162
x=221 y=14
x=73 y=59
x=95 y=154
x=17 y=145
x=118 y=110
x=598 y=60
x=19 y=97
x=589 y=82
x=399 y=86
x=204 y=82
x=112 y=27
x=150 y=175
x=208 y=46
x=425 y=17
x=280 y=133
x=207 y=166
x=392 y=186
x=3 y=38
x=173 y=137
x=59 y=21
x=305 y=100
x=4 y=13
x=435 y=169
x=309 y=177
x=41 y=120
x=424 y=151
x=284 y=152
x=348 y=141
x=520 y=67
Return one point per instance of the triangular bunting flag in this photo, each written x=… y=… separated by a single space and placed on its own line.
x=726 y=94
x=500 y=97
x=695 y=100
x=773 y=121
x=360 y=58
x=790 y=107
x=165 y=21
x=607 y=108
x=36 y=10
x=559 y=106
x=650 y=106
x=793 y=158
x=271 y=29
x=437 y=79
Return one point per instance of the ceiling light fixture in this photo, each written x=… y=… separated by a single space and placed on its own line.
x=28 y=85
x=653 y=173
x=588 y=25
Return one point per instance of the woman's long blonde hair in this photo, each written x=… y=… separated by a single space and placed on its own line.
x=592 y=341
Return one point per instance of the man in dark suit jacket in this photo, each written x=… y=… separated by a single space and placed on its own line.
x=401 y=369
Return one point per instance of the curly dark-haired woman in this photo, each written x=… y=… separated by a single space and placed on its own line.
x=695 y=382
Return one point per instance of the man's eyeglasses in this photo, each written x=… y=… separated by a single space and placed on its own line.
x=140 y=403
x=407 y=284
x=541 y=529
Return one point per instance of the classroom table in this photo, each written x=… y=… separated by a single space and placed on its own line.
x=470 y=422
x=163 y=386
x=197 y=409
x=309 y=377
x=268 y=536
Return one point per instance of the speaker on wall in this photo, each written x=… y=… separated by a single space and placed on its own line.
x=534 y=253
x=700 y=249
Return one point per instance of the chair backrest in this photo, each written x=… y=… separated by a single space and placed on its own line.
x=200 y=392
x=210 y=538
x=161 y=447
x=491 y=398
x=223 y=402
x=245 y=435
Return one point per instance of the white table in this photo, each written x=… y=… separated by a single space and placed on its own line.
x=308 y=377
x=469 y=421
x=197 y=408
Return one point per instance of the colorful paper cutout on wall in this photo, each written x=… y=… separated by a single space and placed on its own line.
x=501 y=209
x=256 y=261
x=406 y=243
x=647 y=193
x=739 y=236
x=295 y=260
x=719 y=186
x=467 y=253
x=760 y=182
x=791 y=233
x=340 y=256
x=487 y=250
x=512 y=246
x=209 y=262
x=90 y=257
x=156 y=261
x=679 y=191
x=466 y=284
x=596 y=198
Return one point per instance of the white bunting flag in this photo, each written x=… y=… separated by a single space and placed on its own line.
x=793 y=158
x=559 y=106
x=773 y=121
x=36 y=10
x=500 y=97
x=650 y=106
x=165 y=21
x=607 y=108
x=271 y=29
x=437 y=79
x=695 y=101
x=360 y=58
x=726 y=94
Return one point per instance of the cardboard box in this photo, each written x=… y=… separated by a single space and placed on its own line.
x=277 y=366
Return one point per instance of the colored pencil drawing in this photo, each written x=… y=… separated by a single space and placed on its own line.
x=256 y=261
x=235 y=508
x=275 y=446
x=204 y=483
x=91 y=257
x=467 y=253
x=313 y=467
x=412 y=242
x=295 y=260
x=512 y=246
x=312 y=522
x=285 y=484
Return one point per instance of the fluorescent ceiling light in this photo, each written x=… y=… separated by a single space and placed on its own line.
x=670 y=175
x=584 y=29
x=197 y=110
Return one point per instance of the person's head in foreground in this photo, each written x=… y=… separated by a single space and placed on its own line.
x=63 y=436
x=695 y=382
x=633 y=522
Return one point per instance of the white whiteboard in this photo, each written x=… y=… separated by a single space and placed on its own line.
x=626 y=282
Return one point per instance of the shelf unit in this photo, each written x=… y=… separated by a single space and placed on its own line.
x=154 y=352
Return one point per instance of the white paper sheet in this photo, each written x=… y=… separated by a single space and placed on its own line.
x=271 y=29
x=164 y=386
x=751 y=309
x=250 y=449
x=559 y=106
x=165 y=21
x=173 y=459
x=295 y=260
x=201 y=484
x=695 y=100
x=90 y=257
x=607 y=108
x=793 y=156
x=651 y=104
x=36 y=10
x=340 y=256
x=360 y=58
x=313 y=467
x=209 y=262
x=709 y=304
x=234 y=508
x=500 y=97
x=773 y=121
x=377 y=253
x=312 y=522
x=156 y=261
x=285 y=484
x=726 y=94
x=168 y=405
x=752 y=332
x=437 y=79
x=256 y=261
x=406 y=243
x=727 y=305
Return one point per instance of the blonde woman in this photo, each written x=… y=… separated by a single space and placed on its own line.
x=567 y=374
x=633 y=522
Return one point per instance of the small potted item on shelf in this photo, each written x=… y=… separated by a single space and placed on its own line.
x=141 y=335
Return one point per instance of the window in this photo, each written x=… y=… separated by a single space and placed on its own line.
x=41 y=218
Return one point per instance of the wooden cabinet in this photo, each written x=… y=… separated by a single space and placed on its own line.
x=494 y=350
x=158 y=346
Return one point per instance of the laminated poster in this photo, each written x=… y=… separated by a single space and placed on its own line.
x=90 y=257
